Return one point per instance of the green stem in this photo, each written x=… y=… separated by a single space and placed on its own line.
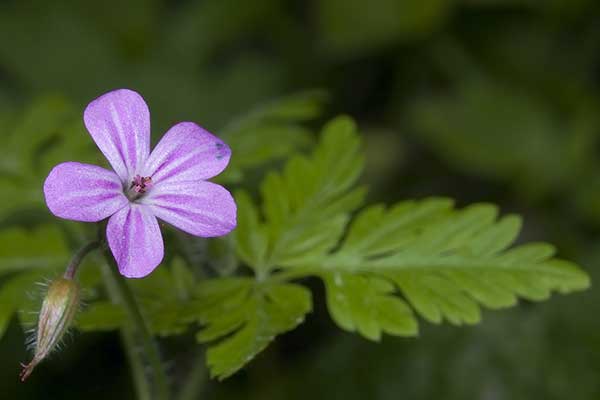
x=78 y=258
x=125 y=297
x=194 y=384
x=136 y=363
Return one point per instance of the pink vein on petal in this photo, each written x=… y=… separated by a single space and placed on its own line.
x=187 y=152
x=119 y=123
x=83 y=192
x=135 y=240
x=200 y=208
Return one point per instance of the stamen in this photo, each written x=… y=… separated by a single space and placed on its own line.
x=139 y=186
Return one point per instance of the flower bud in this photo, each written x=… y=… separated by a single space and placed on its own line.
x=57 y=313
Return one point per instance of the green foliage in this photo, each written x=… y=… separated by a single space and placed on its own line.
x=36 y=125
x=246 y=316
x=47 y=132
x=33 y=257
x=30 y=257
x=36 y=138
x=516 y=112
x=367 y=305
x=17 y=294
x=50 y=131
x=250 y=235
x=380 y=266
x=101 y=316
x=163 y=296
x=307 y=205
x=443 y=261
x=40 y=248
x=270 y=132
x=241 y=314
x=382 y=23
x=497 y=131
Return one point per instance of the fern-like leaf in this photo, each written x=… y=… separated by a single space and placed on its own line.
x=245 y=316
x=448 y=262
x=420 y=255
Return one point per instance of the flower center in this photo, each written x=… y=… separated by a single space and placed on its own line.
x=138 y=187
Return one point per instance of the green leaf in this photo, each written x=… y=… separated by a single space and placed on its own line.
x=501 y=132
x=307 y=206
x=294 y=108
x=250 y=236
x=42 y=120
x=367 y=305
x=382 y=24
x=101 y=316
x=448 y=262
x=183 y=279
x=17 y=294
x=246 y=315
x=316 y=186
x=443 y=262
x=393 y=226
x=42 y=247
x=270 y=132
x=163 y=296
x=73 y=143
x=40 y=136
x=309 y=243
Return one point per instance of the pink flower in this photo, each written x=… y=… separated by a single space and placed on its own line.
x=169 y=183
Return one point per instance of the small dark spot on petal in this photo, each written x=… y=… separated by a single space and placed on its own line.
x=219 y=145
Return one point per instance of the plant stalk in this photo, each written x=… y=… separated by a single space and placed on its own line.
x=78 y=258
x=123 y=295
x=136 y=363
x=196 y=380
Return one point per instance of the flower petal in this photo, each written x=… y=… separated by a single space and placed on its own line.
x=200 y=208
x=187 y=152
x=119 y=122
x=135 y=241
x=83 y=192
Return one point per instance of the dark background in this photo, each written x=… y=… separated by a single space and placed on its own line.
x=480 y=100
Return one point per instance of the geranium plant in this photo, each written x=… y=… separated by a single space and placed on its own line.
x=382 y=266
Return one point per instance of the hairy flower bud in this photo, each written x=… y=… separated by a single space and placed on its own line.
x=57 y=313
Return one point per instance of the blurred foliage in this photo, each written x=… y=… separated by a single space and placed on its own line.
x=349 y=27
x=479 y=100
x=277 y=124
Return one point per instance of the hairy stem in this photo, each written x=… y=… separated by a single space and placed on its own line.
x=78 y=258
x=124 y=296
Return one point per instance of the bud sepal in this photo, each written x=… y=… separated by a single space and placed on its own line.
x=58 y=312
